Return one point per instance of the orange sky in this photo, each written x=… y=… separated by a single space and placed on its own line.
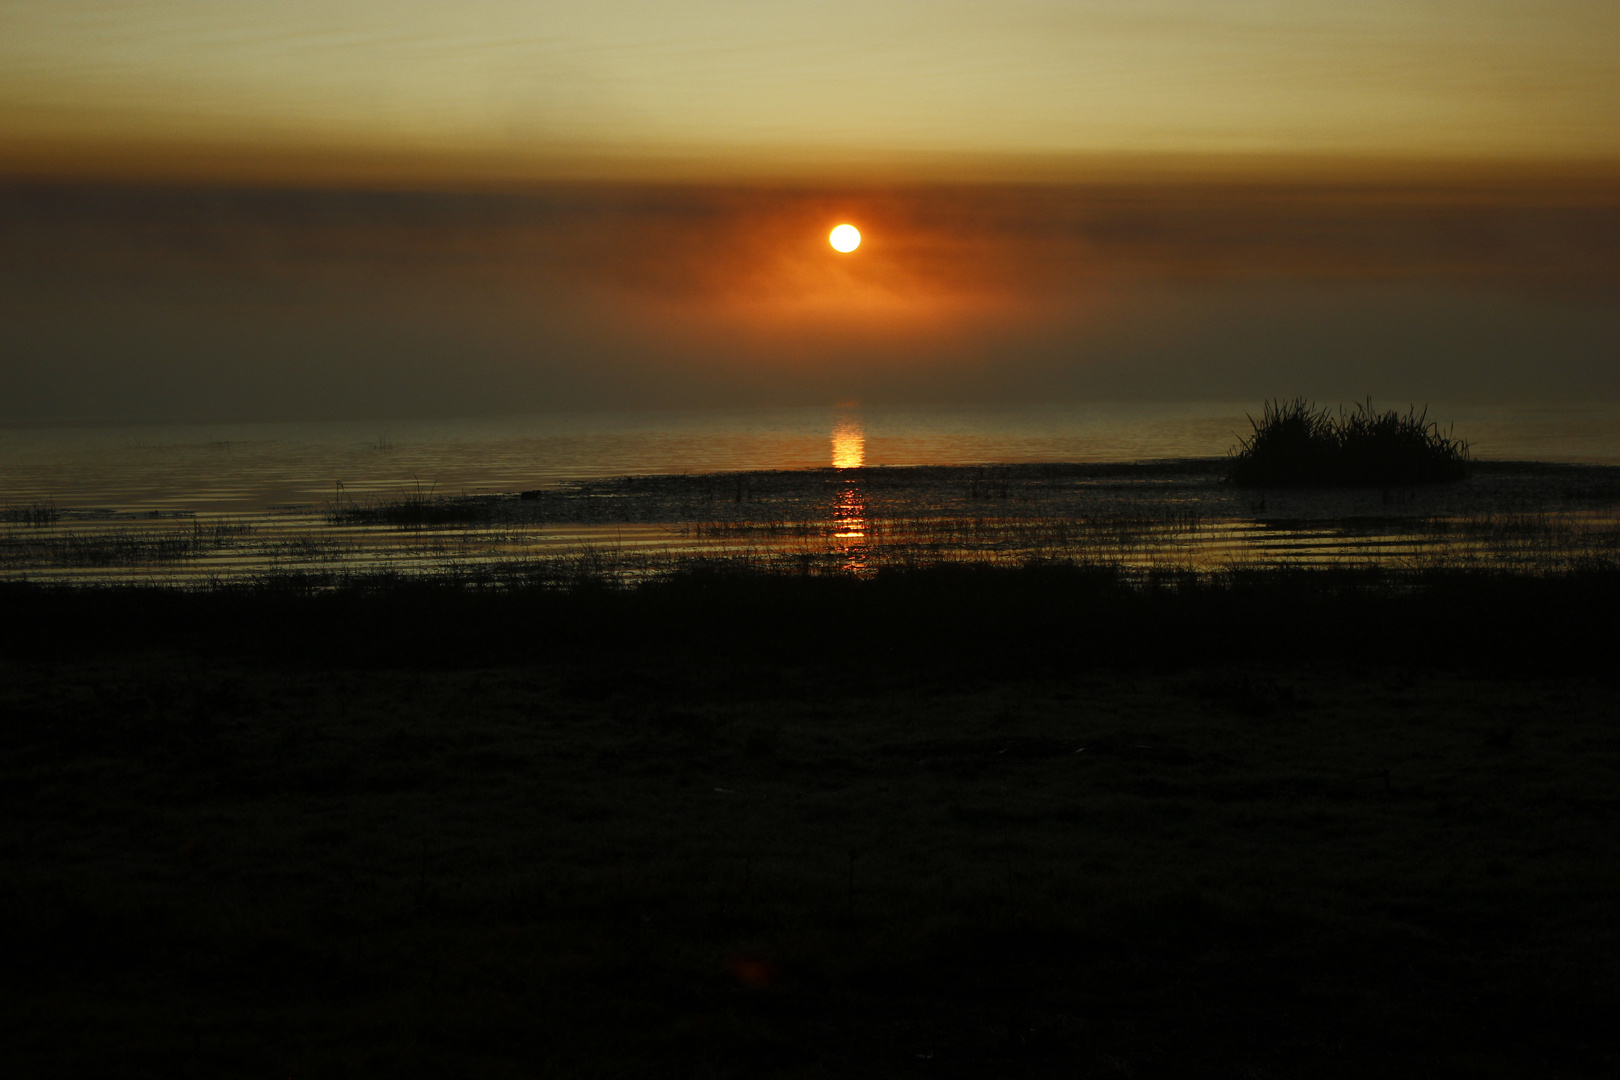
x=288 y=208
x=159 y=302
x=497 y=91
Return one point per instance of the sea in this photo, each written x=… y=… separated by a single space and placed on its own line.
x=244 y=468
x=205 y=501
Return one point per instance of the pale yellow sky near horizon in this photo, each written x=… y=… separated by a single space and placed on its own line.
x=561 y=88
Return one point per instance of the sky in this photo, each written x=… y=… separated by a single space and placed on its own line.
x=729 y=88
x=287 y=210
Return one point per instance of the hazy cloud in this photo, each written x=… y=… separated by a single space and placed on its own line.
x=140 y=302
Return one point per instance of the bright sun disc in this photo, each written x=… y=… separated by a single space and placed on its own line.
x=845 y=238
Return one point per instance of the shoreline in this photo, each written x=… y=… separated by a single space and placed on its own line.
x=1171 y=515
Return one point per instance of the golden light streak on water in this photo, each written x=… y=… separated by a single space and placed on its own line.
x=848 y=443
x=849 y=515
x=849 y=531
x=849 y=511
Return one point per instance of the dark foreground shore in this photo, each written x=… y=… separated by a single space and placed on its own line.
x=954 y=823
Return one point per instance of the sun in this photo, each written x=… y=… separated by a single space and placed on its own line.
x=845 y=238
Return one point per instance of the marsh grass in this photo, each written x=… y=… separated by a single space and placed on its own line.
x=1157 y=516
x=1296 y=444
x=1123 y=525
x=126 y=546
x=40 y=513
x=1535 y=542
x=414 y=511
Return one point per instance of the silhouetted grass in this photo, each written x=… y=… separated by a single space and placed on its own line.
x=414 y=510
x=1295 y=444
x=124 y=547
x=39 y=513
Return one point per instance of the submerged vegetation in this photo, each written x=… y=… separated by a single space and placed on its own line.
x=1296 y=444
x=414 y=511
x=126 y=545
x=1147 y=517
x=39 y=513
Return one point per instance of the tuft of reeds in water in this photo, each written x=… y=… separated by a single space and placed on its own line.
x=418 y=508
x=124 y=546
x=1297 y=444
x=39 y=513
x=410 y=511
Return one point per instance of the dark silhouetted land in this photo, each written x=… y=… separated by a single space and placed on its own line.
x=960 y=822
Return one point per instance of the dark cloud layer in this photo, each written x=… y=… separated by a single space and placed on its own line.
x=123 y=302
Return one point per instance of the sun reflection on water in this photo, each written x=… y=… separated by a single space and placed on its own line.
x=849 y=529
x=848 y=443
x=849 y=509
x=849 y=515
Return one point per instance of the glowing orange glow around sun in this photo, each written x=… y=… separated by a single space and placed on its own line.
x=845 y=238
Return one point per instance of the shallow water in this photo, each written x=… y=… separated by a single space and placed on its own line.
x=191 y=504
x=1169 y=516
x=239 y=468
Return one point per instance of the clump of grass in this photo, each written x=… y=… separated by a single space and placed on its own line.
x=37 y=513
x=1297 y=444
x=123 y=546
x=417 y=508
x=410 y=511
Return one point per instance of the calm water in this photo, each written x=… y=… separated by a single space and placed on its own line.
x=243 y=468
x=195 y=504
